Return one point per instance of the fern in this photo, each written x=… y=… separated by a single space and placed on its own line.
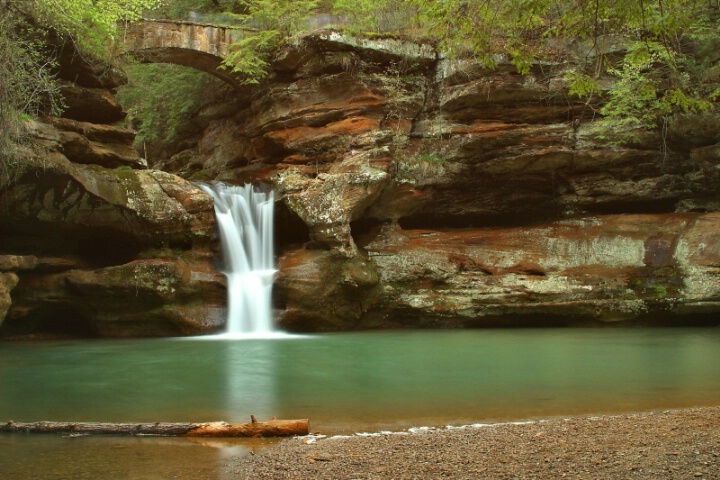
x=251 y=55
x=278 y=20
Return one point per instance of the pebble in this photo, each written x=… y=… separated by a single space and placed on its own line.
x=609 y=447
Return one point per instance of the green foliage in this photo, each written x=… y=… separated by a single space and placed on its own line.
x=431 y=157
x=209 y=11
x=376 y=16
x=251 y=55
x=422 y=160
x=663 y=283
x=161 y=98
x=670 y=66
x=278 y=20
x=92 y=24
x=27 y=88
x=27 y=83
x=660 y=291
x=581 y=84
x=663 y=73
x=285 y=16
x=652 y=83
x=485 y=29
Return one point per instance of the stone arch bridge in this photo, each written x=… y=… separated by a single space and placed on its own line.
x=194 y=45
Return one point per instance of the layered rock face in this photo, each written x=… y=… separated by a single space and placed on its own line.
x=414 y=191
x=639 y=269
x=94 y=243
x=419 y=191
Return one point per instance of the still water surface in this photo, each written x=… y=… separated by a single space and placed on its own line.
x=343 y=383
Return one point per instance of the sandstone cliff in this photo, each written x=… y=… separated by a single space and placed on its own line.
x=419 y=191
x=94 y=243
x=414 y=191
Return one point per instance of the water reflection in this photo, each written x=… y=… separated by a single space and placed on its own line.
x=250 y=386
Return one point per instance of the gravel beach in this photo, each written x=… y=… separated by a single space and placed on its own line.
x=673 y=444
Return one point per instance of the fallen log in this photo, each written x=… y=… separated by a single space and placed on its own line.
x=272 y=428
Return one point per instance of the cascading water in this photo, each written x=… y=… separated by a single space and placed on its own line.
x=245 y=221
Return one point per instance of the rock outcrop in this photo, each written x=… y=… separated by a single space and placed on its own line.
x=640 y=269
x=8 y=281
x=105 y=251
x=95 y=105
x=171 y=294
x=94 y=144
x=146 y=207
x=414 y=191
x=93 y=242
x=439 y=193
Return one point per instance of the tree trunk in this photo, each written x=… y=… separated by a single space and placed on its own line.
x=273 y=428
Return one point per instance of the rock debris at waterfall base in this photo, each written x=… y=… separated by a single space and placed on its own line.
x=677 y=444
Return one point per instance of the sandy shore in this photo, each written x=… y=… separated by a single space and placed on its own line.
x=675 y=444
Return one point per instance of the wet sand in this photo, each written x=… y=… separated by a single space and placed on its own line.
x=673 y=444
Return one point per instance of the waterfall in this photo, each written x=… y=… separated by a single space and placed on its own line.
x=245 y=221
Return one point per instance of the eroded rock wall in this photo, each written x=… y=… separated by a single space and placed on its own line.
x=439 y=193
x=414 y=191
x=94 y=243
x=641 y=269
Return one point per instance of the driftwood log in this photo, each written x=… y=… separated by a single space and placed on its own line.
x=273 y=428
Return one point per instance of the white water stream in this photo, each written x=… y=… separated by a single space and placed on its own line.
x=245 y=221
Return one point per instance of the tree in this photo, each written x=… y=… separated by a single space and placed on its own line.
x=667 y=67
x=161 y=99
x=277 y=21
x=92 y=24
x=204 y=11
x=484 y=29
x=376 y=16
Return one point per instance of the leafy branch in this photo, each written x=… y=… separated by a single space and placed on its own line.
x=277 y=21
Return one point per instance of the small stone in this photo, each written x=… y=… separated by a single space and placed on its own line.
x=321 y=458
